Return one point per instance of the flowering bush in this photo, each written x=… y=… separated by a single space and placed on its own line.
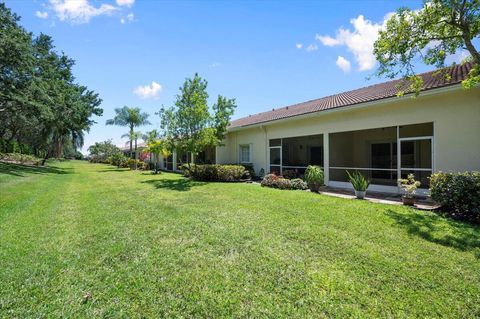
x=270 y=180
x=274 y=181
x=283 y=183
x=298 y=183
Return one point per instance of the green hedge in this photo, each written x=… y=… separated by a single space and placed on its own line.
x=458 y=193
x=214 y=172
x=274 y=181
x=19 y=158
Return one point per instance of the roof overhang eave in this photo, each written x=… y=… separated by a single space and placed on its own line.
x=393 y=99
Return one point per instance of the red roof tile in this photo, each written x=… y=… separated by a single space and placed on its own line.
x=431 y=80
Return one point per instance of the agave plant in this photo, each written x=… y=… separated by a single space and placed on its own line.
x=358 y=181
x=314 y=177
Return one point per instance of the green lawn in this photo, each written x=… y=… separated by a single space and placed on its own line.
x=148 y=245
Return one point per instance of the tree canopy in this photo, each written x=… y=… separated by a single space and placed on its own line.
x=441 y=28
x=189 y=125
x=101 y=151
x=43 y=110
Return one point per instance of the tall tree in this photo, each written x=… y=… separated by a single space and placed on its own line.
x=439 y=29
x=131 y=117
x=42 y=108
x=188 y=125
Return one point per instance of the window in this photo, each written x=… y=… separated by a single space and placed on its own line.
x=245 y=154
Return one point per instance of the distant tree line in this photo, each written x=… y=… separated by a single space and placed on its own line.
x=43 y=110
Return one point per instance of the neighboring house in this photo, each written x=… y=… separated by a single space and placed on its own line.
x=371 y=130
x=140 y=149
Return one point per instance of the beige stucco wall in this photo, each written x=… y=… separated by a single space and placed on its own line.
x=454 y=112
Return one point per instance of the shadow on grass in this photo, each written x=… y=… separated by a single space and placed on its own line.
x=24 y=170
x=180 y=185
x=440 y=230
x=113 y=170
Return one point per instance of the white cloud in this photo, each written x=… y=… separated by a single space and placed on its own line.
x=343 y=64
x=42 y=14
x=130 y=17
x=215 y=65
x=151 y=91
x=359 y=41
x=299 y=45
x=311 y=47
x=126 y=3
x=79 y=11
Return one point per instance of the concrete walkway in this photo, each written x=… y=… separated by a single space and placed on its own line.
x=422 y=203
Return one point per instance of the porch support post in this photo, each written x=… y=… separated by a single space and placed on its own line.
x=326 y=160
x=174 y=159
x=399 y=159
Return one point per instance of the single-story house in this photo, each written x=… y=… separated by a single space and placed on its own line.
x=371 y=129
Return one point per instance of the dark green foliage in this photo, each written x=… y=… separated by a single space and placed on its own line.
x=289 y=174
x=43 y=111
x=214 y=172
x=458 y=193
x=102 y=152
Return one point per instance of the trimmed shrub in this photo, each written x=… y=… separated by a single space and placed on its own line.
x=298 y=183
x=229 y=173
x=274 y=181
x=458 y=193
x=314 y=177
x=214 y=172
x=270 y=180
x=283 y=183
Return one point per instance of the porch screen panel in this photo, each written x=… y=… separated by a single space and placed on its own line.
x=299 y=152
x=372 y=152
x=416 y=151
x=417 y=159
x=275 y=160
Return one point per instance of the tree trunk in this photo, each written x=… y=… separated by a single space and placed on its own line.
x=131 y=135
x=136 y=154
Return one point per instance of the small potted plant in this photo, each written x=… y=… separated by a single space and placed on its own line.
x=409 y=186
x=314 y=177
x=359 y=183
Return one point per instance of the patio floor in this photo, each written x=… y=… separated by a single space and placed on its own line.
x=422 y=203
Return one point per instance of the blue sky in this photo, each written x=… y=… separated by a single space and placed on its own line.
x=265 y=54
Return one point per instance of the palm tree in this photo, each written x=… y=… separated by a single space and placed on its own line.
x=133 y=136
x=132 y=117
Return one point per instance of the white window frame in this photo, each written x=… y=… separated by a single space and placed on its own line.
x=240 y=153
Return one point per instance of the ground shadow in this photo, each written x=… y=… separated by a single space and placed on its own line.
x=24 y=170
x=180 y=185
x=440 y=230
x=114 y=170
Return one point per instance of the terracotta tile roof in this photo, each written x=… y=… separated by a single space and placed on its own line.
x=367 y=94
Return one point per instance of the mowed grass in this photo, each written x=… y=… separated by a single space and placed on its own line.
x=89 y=240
